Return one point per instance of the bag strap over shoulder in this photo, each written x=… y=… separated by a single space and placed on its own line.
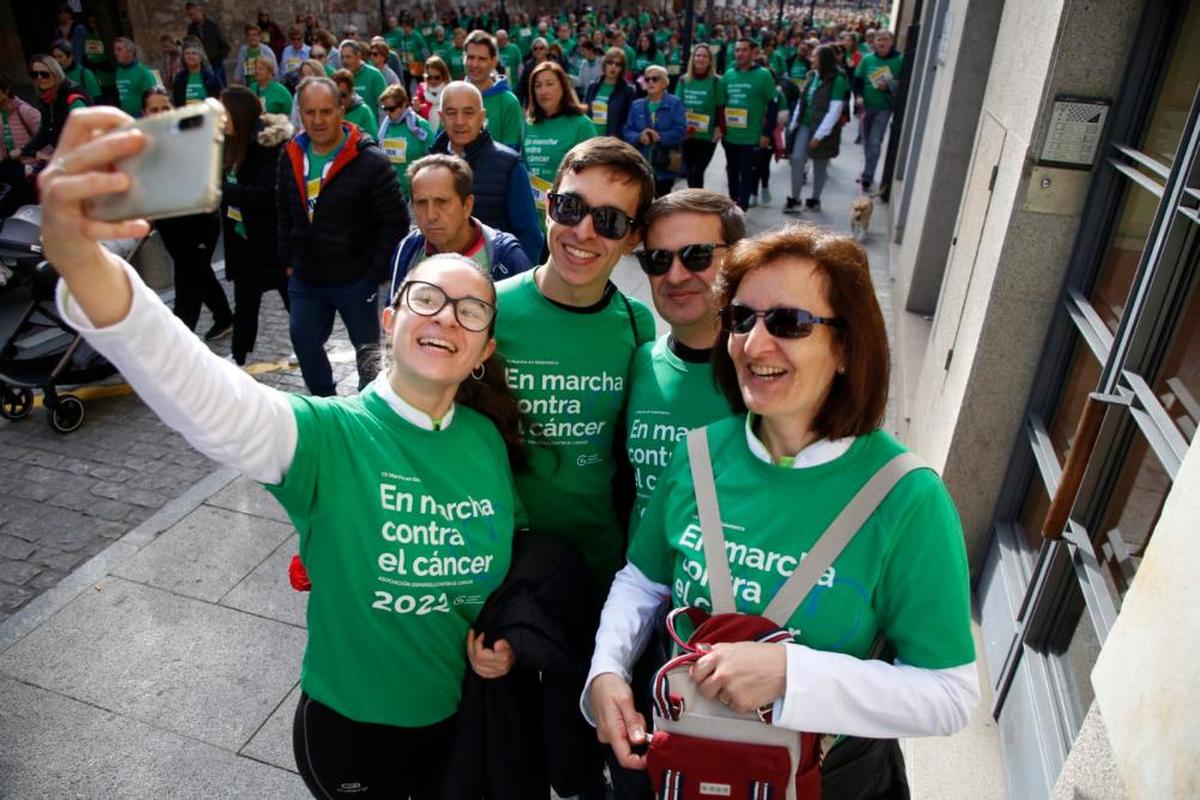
x=836 y=537
x=720 y=581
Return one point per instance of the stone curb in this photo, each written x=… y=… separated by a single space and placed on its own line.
x=53 y=600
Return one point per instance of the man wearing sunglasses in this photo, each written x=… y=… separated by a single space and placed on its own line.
x=568 y=336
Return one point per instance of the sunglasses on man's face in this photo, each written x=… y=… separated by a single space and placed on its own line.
x=694 y=257
x=568 y=209
x=782 y=322
x=34 y=74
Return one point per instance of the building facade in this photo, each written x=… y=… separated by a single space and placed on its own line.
x=1045 y=204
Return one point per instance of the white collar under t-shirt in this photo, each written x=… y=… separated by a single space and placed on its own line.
x=819 y=452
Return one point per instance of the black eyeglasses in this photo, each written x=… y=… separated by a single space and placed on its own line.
x=694 y=257
x=567 y=209
x=782 y=322
x=427 y=299
x=37 y=73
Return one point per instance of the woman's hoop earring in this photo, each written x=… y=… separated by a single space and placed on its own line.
x=480 y=369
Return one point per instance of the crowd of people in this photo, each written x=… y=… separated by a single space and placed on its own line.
x=485 y=176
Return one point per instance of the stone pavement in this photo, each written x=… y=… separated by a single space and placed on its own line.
x=166 y=665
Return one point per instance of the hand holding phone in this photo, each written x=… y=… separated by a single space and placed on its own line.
x=178 y=170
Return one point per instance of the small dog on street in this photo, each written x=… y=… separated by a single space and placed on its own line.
x=860 y=216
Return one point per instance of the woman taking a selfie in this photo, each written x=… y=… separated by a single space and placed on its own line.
x=402 y=536
x=252 y=145
x=803 y=357
x=190 y=241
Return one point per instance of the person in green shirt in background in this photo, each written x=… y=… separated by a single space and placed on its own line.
x=698 y=89
x=273 y=95
x=354 y=109
x=568 y=335
x=878 y=76
x=454 y=57
x=96 y=58
x=565 y=40
x=510 y=57
x=133 y=77
x=195 y=81
x=403 y=135
x=62 y=52
x=672 y=57
x=555 y=122
x=671 y=388
x=748 y=94
x=504 y=119
x=368 y=81
x=646 y=54
x=412 y=49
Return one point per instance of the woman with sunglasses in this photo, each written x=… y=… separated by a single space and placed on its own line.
x=403 y=135
x=656 y=125
x=609 y=97
x=57 y=97
x=403 y=538
x=429 y=91
x=803 y=359
x=555 y=121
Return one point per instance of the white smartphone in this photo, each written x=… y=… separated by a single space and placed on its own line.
x=178 y=172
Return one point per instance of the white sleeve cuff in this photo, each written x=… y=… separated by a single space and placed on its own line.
x=626 y=625
x=221 y=411
x=840 y=694
x=830 y=119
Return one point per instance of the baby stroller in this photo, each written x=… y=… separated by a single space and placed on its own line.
x=38 y=350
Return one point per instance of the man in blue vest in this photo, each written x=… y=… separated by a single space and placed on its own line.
x=503 y=198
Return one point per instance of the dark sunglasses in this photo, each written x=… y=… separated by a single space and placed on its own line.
x=694 y=257
x=652 y=79
x=428 y=299
x=37 y=73
x=390 y=109
x=567 y=209
x=782 y=322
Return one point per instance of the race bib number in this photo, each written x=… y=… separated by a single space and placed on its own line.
x=881 y=77
x=599 y=112
x=235 y=214
x=697 y=123
x=673 y=69
x=93 y=47
x=396 y=150
x=314 y=189
x=736 y=117
x=292 y=64
x=541 y=189
x=249 y=66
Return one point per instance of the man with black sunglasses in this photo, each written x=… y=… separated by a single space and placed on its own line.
x=568 y=336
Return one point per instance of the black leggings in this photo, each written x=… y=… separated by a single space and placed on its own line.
x=190 y=241
x=697 y=154
x=338 y=757
x=247 y=300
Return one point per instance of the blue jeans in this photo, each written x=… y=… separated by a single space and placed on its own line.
x=875 y=124
x=310 y=323
x=741 y=169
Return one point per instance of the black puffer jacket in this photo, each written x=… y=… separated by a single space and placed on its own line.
x=358 y=218
x=54 y=116
x=619 y=103
x=255 y=256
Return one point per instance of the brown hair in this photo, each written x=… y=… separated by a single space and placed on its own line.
x=569 y=106
x=484 y=38
x=460 y=170
x=438 y=63
x=701 y=201
x=244 y=109
x=615 y=155
x=857 y=399
x=395 y=92
x=616 y=52
x=343 y=77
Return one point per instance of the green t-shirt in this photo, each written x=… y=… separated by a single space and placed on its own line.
x=745 y=95
x=276 y=99
x=195 y=92
x=840 y=87
x=667 y=397
x=504 y=119
x=511 y=58
x=85 y=78
x=778 y=62
x=569 y=370
x=545 y=145
x=97 y=58
x=370 y=83
x=410 y=49
x=876 y=73
x=318 y=164
x=361 y=116
x=133 y=80
x=599 y=108
x=402 y=146
x=798 y=72
x=674 y=62
x=404 y=533
x=454 y=59
x=699 y=98
x=524 y=39
x=644 y=60
x=630 y=57
x=903 y=574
